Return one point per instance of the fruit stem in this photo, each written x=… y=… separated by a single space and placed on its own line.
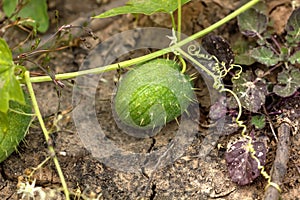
x=173 y=21
x=196 y=62
x=179 y=20
x=46 y=134
x=183 y=64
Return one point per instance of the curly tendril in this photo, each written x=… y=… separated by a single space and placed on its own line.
x=174 y=41
x=219 y=71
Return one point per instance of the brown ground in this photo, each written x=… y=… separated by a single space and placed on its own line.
x=188 y=178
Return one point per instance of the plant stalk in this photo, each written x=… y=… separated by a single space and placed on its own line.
x=46 y=134
x=179 y=21
x=149 y=56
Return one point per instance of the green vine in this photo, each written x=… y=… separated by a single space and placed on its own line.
x=46 y=135
x=218 y=72
x=151 y=55
x=179 y=20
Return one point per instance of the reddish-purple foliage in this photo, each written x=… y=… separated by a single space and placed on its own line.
x=243 y=168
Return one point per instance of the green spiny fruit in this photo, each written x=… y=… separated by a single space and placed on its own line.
x=16 y=127
x=153 y=94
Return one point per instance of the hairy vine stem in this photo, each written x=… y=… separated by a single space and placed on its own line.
x=46 y=135
x=149 y=56
x=179 y=20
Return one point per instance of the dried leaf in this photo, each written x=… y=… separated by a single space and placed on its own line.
x=219 y=47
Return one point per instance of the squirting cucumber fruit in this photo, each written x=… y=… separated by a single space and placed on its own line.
x=16 y=128
x=153 y=94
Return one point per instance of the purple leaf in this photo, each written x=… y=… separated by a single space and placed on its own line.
x=218 y=109
x=243 y=169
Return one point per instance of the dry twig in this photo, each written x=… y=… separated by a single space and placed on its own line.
x=279 y=167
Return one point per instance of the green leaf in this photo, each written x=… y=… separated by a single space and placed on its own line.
x=264 y=56
x=284 y=53
x=252 y=22
x=293 y=28
x=146 y=7
x=241 y=48
x=244 y=59
x=259 y=121
x=3 y=122
x=34 y=9
x=10 y=88
x=288 y=82
x=252 y=94
x=295 y=58
x=5 y=57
